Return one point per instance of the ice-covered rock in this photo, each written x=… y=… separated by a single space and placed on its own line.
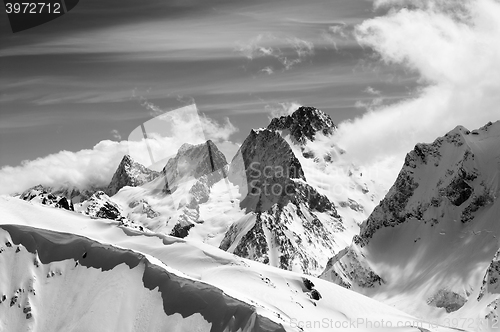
x=42 y=195
x=129 y=173
x=304 y=124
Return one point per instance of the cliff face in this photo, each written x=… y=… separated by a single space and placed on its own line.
x=193 y=161
x=129 y=173
x=289 y=224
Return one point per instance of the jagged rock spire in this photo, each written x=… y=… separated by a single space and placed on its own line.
x=129 y=173
x=304 y=123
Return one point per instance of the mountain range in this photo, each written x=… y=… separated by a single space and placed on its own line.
x=289 y=230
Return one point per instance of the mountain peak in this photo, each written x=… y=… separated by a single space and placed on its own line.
x=304 y=123
x=454 y=173
x=129 y=173
x=127 y=159
x=193 y=160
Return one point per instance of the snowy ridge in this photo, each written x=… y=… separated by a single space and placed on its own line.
x=53 y=254
x=180 y=295
x=100 y=205
x=42 y=195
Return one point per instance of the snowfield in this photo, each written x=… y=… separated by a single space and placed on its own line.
x=62 y=271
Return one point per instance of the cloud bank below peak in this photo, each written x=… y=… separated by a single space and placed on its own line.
x=95 y=167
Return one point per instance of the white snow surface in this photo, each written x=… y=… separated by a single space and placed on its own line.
x=78 y=298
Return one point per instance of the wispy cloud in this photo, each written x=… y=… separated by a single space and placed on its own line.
x=288 y=50
x=116 y=135
x=281 y=109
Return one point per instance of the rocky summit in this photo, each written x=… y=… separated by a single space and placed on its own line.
x=287 y=219
x=193 y=161
x=304 y=124
x=129 y=173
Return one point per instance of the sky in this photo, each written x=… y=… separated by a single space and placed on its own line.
x=391 y=73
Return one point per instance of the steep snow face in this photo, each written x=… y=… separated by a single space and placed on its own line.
x=129 y=173
x=42 y=195
x=354 y=190
x=433 y=236
x=350 y=269
x=192 y=191
x=193 y=161
x=452 y=174
x=63 y=270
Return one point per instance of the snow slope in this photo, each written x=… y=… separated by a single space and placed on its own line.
x=63 y=271
x=433 y=240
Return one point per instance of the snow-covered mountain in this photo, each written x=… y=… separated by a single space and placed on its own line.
x=304 y=124
x=273 y=203
x=291 y=198
x=64 y=271
x=129 y=173
x=277 y=202
x=431 y=244
x=287 y=224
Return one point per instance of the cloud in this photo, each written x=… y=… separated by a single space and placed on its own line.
x=454 y=49
x=288 y=50
x=116 y=135
x=281 y=109
x=268 y=70
x=95 y=167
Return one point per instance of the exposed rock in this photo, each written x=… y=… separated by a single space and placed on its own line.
x=274 y=190
x=203 y=162
x=76 y=195
x=447 y=299
x=129 y=173
x=42 y=195
x=491 y=279
x=181 y=231
x=353 y=205
x=349 y=267
x=192 y=161
x=304 y=123
x=457 y=185
x=101 y=206
x=143 y=207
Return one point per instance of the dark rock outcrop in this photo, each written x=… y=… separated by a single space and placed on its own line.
x=129 y=173
x=304 y=124
x=44 y=196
